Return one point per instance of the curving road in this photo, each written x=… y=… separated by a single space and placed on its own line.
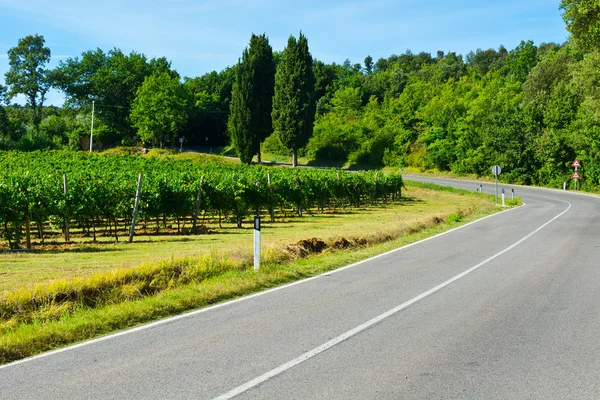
x=507 y=307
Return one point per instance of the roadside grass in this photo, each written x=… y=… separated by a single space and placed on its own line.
x=40 y=314
x=84 y=258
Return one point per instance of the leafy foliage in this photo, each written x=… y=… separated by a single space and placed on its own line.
x=27 y=74
x=583 y=21
x=240 y=115
x=102 y=189
x=160 y=108
x=294 y=104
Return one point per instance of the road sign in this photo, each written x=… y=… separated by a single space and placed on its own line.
x=576 y=175
x=576 y=164
x=496 y=171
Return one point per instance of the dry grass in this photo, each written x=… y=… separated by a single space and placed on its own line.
x=39 y=313
x=85 y=258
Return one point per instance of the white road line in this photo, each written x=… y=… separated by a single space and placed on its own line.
x=337 y=340
x=230 y=302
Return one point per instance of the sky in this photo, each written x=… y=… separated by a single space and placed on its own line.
x=201 y=36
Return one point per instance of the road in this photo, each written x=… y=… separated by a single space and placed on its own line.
x=504 y=308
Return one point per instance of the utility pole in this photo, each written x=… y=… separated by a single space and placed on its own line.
x=92 y=129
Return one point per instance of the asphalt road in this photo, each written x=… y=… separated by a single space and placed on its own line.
x=505 y=308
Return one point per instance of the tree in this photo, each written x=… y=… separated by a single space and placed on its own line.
x=207 y=124
x=240 y=115
x=160 y=108
x=347 y=101
x=583 y=21
x=262 y=69
x=369 y=65
x=4 y=122
x=2 y=94
x=294 y=100
x=112 y=80
x=27 y=74
x=521 y=60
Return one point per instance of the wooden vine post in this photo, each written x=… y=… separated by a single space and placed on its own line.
x=135 y=208
x=66 y=189
x=271 y=208
x=198 y=203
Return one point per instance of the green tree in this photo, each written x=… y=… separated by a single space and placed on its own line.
x=27 y=74
x=240 y=115
x=209 y=114
x=583 y=21
x=294 y=100
x=160 y=108
x=521 y=60
x=262 y=67
x=5 y=139
x=3 y=91
x=112 y=80
x=369 y=65
x=347 y=100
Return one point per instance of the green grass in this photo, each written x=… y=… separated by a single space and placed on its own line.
x=39 y=312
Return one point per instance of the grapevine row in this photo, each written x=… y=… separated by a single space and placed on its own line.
x=100 y=191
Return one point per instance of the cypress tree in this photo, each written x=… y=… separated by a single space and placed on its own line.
x=262 y=66
x=239 y=124
x=294 y=101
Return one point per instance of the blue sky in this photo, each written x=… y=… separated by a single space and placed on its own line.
x=202 y=36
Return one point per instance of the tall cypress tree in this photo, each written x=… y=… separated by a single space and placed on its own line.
x=239 y=124
x=294 y=101
x=262 y=68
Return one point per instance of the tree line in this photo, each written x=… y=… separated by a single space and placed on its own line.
x=532 y=109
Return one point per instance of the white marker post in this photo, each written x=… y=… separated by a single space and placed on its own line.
x=496 y=170
x=256 y=243
x=513 y=194
x=503 y=204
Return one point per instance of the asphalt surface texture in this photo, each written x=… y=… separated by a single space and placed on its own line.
x=507 y=307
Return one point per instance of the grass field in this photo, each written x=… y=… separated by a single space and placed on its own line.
x=56 y=298
x=85 y=257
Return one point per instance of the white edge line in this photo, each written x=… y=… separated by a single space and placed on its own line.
x=325 y=346
x=240 y=299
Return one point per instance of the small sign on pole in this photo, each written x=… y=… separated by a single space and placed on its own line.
x=496 y=170
x=256 y=243
x=576 y=164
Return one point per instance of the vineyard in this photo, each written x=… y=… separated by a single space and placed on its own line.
x=52 y=193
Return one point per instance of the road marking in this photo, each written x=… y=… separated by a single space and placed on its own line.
x=337 y=340
x=240 y=299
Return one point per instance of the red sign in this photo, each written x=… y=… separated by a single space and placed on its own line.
x=575 y=175
x=576 y=163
